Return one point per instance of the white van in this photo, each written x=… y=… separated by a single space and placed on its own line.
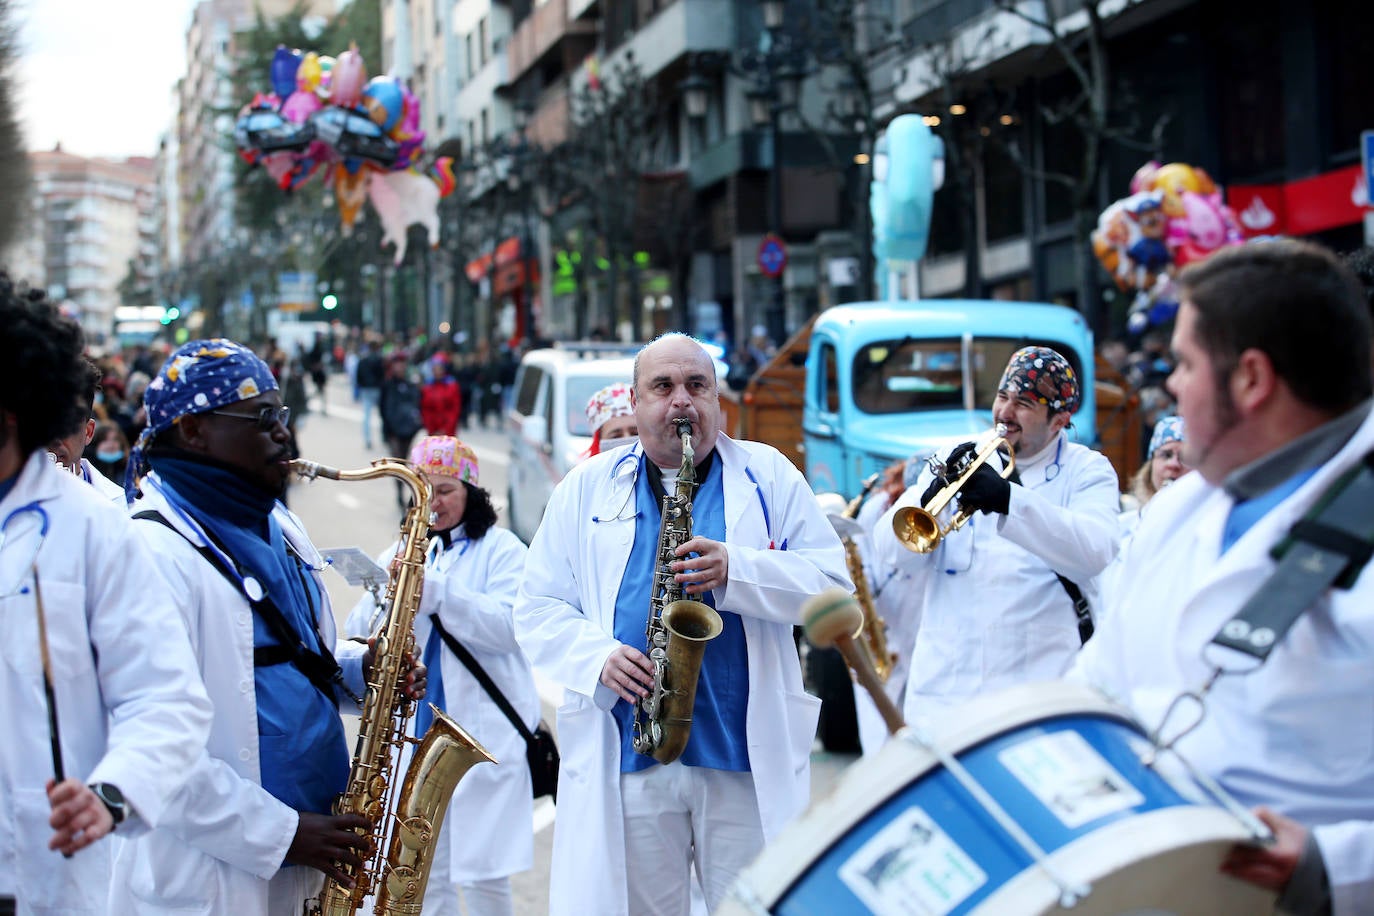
x=548 y=423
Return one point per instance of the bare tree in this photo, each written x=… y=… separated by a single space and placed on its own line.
x=14 y=163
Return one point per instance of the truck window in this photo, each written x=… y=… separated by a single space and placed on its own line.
x=829 y=379
x=528 y=389
x=898 y=376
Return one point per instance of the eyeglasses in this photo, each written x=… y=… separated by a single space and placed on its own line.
x=267 y=418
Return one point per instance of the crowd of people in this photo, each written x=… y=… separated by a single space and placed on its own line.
x=192 y=651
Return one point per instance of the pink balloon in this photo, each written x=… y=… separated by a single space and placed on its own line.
x=348 y=78
x=299 y=106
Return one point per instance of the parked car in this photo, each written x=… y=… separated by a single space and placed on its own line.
x=547 y=423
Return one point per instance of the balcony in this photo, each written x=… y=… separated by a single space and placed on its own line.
x=680 y=27
x=542 y=33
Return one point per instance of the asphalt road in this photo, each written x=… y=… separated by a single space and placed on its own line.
x=367 y=515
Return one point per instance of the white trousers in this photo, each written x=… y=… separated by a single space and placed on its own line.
x=680 y=820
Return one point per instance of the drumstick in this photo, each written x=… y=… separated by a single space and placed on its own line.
x=48 y=693
x=831 y=618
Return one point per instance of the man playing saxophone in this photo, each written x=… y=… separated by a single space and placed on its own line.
x=987 y=604
x=251 y=832
x=630 y=829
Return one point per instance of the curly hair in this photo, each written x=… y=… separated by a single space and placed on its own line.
x=480 y=514
x=43 y=374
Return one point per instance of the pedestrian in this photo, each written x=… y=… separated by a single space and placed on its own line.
x=994 y=603
x=252 y=830
x=611 y=418
x=371 y=369
x=472 y=576
x=129 y=714
x=315 y=365
x=630 y=830
x=399 y=405
x=69 y=449
x=1272 y=343
x=1164 y=462
x=109 y=453
x=441 y=402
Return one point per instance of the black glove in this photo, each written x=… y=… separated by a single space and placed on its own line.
x=986 y=491
x=951 y=464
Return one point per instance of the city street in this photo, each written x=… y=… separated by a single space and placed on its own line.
x=366 y=515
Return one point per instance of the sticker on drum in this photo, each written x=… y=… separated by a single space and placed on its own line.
x=912 y=866
x=1071 y=779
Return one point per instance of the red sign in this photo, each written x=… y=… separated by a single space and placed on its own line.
x=772 y=256
x=1302 y=207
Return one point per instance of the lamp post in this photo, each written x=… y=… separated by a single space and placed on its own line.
x=776 y=73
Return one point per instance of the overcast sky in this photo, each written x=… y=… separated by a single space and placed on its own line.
x=97 y=75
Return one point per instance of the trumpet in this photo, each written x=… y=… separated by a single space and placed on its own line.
x=918 y=528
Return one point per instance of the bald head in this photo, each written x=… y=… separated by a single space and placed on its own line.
x=675 y=377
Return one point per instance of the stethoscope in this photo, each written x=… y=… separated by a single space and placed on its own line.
x=633 y=454
x=32 y=508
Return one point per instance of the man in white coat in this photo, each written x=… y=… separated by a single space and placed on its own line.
x=630 y=830
x=1272 y=345
x=67 y=448
x=472 y=575
x=251 y=832
x=131 y=712
x=987 y=605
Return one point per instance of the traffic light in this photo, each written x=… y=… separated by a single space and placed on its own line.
x=330 y=302
x=170 y=314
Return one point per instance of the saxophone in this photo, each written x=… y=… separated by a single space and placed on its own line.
x=677 y=630
x=403 y=834
x=874 y=629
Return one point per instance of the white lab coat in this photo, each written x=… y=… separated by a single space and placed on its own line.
x=224 y=836
x=564 y=620
x=490 y=818
x=131 y=708
x=1296 y=735
x=104 y=485
x=992 y=613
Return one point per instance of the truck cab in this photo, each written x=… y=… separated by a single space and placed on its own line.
x=889 y=380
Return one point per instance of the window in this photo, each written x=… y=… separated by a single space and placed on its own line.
x=470 y=54
x=1003 y=199
x=828 y=381
x=486 y=126
x=528 y=392
x=482 y=47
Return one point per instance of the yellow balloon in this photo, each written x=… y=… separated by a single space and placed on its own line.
x=308 y=73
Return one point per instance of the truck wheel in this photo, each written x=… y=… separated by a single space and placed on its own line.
x=828 y=677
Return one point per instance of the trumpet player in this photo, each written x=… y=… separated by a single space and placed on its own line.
x=251 y=830
x=990 y=604
x=631 y=830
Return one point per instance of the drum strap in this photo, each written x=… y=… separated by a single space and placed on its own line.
x=1329 y=546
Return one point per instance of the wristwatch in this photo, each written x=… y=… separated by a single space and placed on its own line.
x=112 y=799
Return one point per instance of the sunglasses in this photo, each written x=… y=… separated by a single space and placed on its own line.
x=266 y=419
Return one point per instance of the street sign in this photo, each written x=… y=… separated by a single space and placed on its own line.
x=772 y=255
x=1367 y=157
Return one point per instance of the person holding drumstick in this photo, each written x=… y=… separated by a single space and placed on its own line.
x=989 y=605
x=1258 y=670
x=92 y=642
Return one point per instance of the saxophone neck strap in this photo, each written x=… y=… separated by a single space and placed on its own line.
x=320 y=668
x=1328 y=547
x=483 y=678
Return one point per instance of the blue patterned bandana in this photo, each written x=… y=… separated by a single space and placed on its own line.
x=1043 y=375
x=1168 y=429
x=199 y=376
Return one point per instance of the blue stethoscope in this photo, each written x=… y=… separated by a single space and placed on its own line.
x=633 y=454
x=33 y=508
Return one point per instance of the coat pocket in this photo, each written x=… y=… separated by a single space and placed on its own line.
x=803 y=713
x=167 y=875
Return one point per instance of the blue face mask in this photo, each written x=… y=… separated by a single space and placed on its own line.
x=109 y=457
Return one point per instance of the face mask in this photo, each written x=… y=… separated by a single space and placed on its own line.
x=608 y=444
x=109 y=457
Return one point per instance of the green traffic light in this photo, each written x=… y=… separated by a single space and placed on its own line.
x=330 y=302
x=173 y=313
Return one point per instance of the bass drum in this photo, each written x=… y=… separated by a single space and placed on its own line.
x=1051 y=771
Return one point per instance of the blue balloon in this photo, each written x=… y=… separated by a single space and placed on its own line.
x=383 y=102
x=285 y=63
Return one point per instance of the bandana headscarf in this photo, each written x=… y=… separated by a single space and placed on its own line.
x=200 y=375
x=447 y=456
x=1043 y=375
x=611 y=401
x=1168 y=429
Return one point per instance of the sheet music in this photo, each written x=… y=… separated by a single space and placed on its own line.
x=354 y=565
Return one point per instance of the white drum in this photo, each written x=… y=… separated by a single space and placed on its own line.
x=1042 y=799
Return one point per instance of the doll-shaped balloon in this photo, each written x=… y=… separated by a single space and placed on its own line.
x=347 y=78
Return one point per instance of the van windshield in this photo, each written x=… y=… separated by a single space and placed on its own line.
x=580 y=391
x=904 y=375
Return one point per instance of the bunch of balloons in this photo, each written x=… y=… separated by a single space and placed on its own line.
x=324 y=114
x=1175 y=215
